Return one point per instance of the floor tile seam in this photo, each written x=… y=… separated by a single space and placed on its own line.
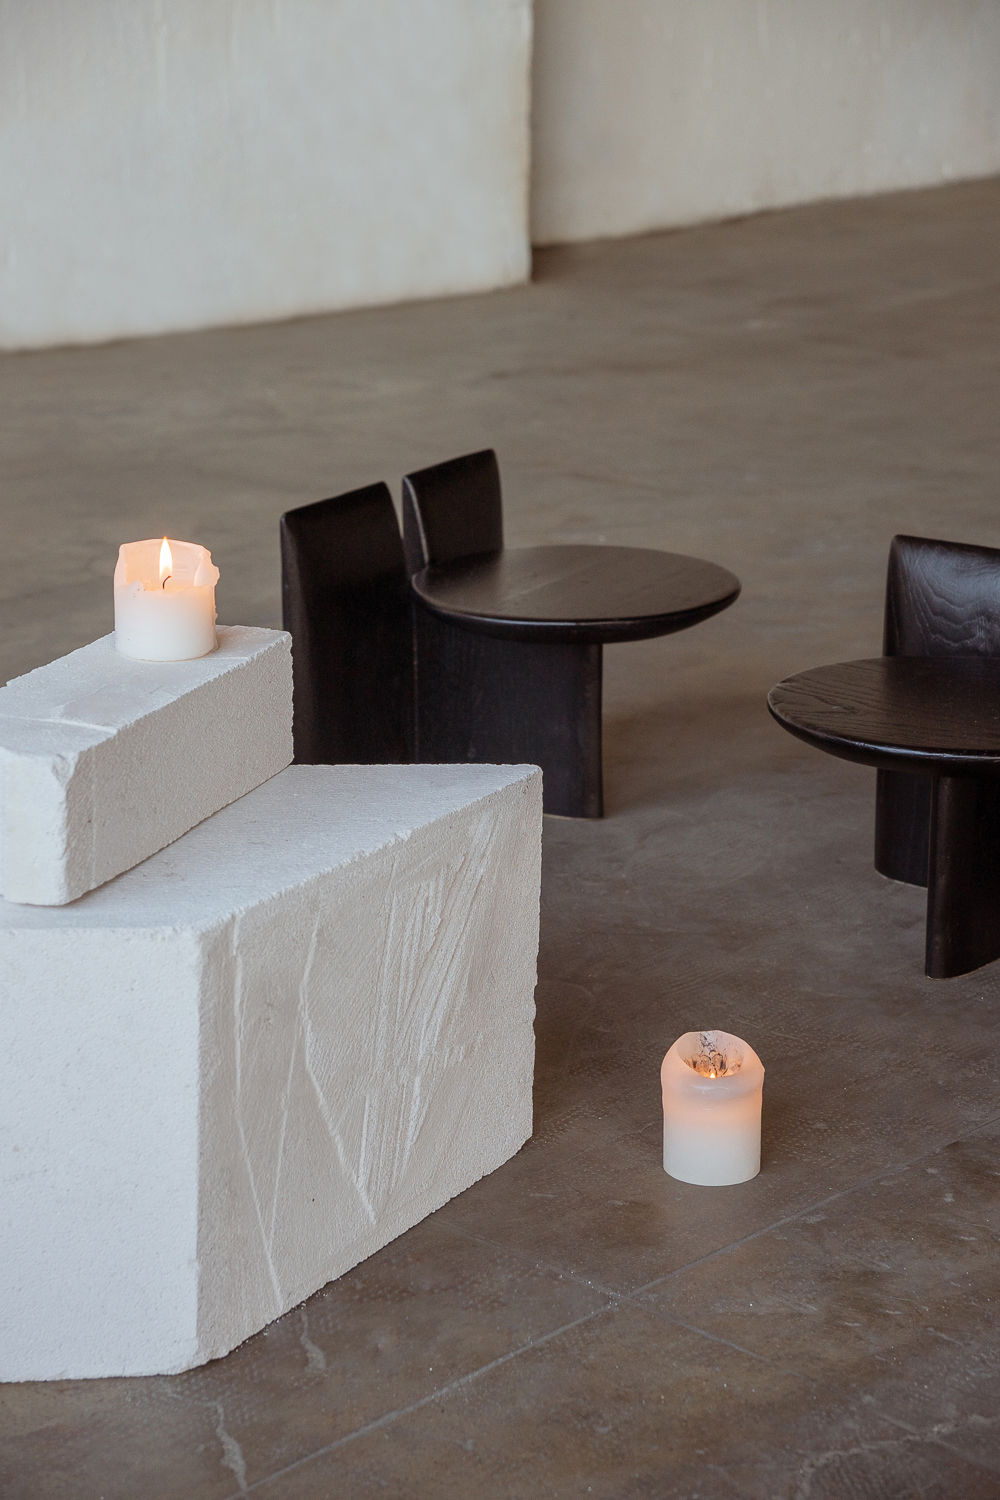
x=979 y=1130
x=953 y=1449
x=716 y=1338
x=935 y=1435
x=546 y=1266
x=442 y=1392
x=810 y=1208
x=633 y=1299
x=633 y=1294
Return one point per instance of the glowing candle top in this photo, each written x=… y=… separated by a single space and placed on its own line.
x=165 y=600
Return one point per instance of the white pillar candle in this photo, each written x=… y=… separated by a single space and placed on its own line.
x=712 y=1093
x=165 y=600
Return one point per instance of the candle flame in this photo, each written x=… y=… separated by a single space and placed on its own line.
x=166 y=562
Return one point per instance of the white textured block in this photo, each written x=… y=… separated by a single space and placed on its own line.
x=104 y=760
x=247 y=1064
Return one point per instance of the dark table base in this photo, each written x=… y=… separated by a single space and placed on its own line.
x=483 y=698
x=508 y=649
x=963 y=887
x=943 y=832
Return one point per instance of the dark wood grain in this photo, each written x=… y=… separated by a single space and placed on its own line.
x=347 y=604
x=452 y=510
x=577 y=593
x=481 y=698
x=907 y=712
x=942 y=599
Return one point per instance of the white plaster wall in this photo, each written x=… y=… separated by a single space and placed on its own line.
x=169 y=164
x=650 y=113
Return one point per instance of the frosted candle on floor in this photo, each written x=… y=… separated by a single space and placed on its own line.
x=712 y=1093
x=165 y=600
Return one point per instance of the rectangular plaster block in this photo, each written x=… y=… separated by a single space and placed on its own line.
x=104 y=760
x=245 y=1065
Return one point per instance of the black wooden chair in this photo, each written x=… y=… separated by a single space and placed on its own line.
x=942 y=599
x=452 y=510
x=346 y=604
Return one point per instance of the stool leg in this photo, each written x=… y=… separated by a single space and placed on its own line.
x=963 y=890
x=902 y=821
x=483 y=698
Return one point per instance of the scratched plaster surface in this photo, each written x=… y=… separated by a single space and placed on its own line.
x=399 y=1075
x=215 y=1102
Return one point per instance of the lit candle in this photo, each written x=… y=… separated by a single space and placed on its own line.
x=165 y=600
x=712 y=1093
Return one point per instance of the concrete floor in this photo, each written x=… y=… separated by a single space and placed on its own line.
x=780 y=394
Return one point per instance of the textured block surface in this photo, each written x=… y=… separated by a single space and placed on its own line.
x=247 y=1064
x=104 y=760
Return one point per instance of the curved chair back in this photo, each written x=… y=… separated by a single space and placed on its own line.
x=452 y=510
x=345 y=599
x=941 y=599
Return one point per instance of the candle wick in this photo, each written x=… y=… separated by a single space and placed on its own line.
x=163 y=582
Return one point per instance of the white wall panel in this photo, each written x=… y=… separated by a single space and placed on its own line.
x=169 y=164
x=650 y=113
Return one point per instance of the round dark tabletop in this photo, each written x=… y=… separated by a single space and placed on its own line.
x=582 y=593
x=938 y=715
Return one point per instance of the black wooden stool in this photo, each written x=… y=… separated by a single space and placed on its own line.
x=927 y=716
x=509 y=640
